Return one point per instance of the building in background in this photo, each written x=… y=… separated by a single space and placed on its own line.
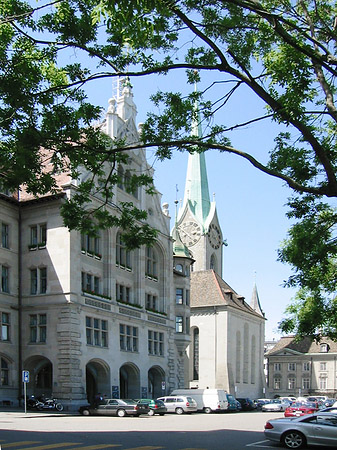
x=84 y=315
x=299 y=368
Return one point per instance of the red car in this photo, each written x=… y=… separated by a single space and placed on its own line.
x=300 y=409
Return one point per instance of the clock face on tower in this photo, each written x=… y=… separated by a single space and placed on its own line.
x=190 y=233
x=214 y=236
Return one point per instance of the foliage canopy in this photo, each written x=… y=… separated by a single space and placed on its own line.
x=282 y=51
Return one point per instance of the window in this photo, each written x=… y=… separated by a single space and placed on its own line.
x=4 y=380
x=324 y=348
x=5 y=324
x=151 y=263
x=305 y=383
x=38 y=236
x=187 y=297
x=277 y=367
x=277 y=383
x=91 y=245
x=38 y=328
x=91 y=283
x=123 y=256
x=96 y=332
x=291 y=367
x=179 y=268
x=4 y=235
x=128 y=338
x=155 y=343
x=323 y=383
x=322 y=366
x=151 y=302
x=5 y=279
x=291 y=383
x=179 y=296
x=306 y=366
x=179 y=324
x=38 y=279
x=124 y=294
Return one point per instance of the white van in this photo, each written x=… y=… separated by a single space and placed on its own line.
x=208 y=400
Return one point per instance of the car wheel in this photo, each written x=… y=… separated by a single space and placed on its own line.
x=150 y=413
x=85 y=412
x=121 y=413
x=59 y=406
x=293 y=439
x=162 y=414
x=179 y=411
x=207 y=410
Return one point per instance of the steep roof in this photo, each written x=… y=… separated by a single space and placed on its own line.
x=306 y=345
x=255 y=301
x=209 y=289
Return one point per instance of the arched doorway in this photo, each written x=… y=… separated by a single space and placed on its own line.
x=156 y=377
x=40 y=376
x=129 y=381
x=97 y=376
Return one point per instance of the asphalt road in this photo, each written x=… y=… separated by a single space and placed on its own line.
x=45 y=431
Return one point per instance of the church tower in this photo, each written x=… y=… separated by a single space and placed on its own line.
x=197 y=224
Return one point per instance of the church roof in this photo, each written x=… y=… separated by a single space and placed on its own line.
x=209 y=289
x=255 y=301
x=305 y=345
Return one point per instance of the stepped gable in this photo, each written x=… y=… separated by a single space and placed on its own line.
x=306 y=345
x=209 y=289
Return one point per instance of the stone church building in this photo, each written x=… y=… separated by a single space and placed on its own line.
x=84 y=315
x=227 y=334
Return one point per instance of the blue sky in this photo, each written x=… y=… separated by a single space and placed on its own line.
x=250 y=204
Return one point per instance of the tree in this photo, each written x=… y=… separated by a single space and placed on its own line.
x=283 y=52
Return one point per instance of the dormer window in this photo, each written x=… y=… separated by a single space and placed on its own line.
x=324 y=348
x=179 y=268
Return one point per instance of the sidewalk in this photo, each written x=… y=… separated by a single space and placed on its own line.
x=18 y=411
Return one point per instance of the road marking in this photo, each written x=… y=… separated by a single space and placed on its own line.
x=147 y=447
x=259 y=444
x=94 y=447
x=15 y=444
x=48 y=446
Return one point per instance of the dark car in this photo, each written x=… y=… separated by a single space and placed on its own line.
x=115 y=407
x=233 y=404
x=247 y=404
x=156 y=406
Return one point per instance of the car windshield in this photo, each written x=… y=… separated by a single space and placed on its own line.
x=129 y=401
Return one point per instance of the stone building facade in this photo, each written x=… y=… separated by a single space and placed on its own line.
x=299 y=368
x=84 y=315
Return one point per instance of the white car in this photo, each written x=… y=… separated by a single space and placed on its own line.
x=276 y=405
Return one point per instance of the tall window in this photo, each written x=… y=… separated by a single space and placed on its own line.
x=91 y=283
x=238 y=358
x=151 y=302
x=4 y=379
x=179 y=324
x=291 y=383
x=245 y=353
x=128 y=338
x=96 y=332
x=196 y=354
x=323 y=383
x=38 y=281
x=123 y=256
x=305 y=383
x=155 y=343
x=277 y=383
x=179 y=296
x=91 y=245
x=151 y=263
x=306 y=366
x=38 y=235
x=253 y=365
x=5 y=279
x=322 y=366
x=277 y=367
x=124 y=294
x=5 y=326
x=291 y=367
x=4 y=235
x=38 y=328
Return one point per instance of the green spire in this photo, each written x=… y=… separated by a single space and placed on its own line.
x=196 y=187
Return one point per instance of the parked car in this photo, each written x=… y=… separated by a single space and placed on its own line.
x=233 y=404
x=247 y=404
x=331 y=409
x=156 y=406
x=314 y=429
x=276 y=405
x=208 y=400
x=300 y=409
x=259 y=402
x=115 y=407
x=179 y=404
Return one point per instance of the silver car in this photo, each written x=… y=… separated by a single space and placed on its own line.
x=296 y=432
x=275 y=405
x=179 y=404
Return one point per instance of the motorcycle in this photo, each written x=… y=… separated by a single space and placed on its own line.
x=49 y=403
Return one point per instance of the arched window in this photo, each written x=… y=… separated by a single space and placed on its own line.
x=120 y=173
x=238 y=357
x=123 y=256
x=127 y=181
x=151 y=263
x=213 y=263
x=196 y=354
x=245 y=353
x=253 y=360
